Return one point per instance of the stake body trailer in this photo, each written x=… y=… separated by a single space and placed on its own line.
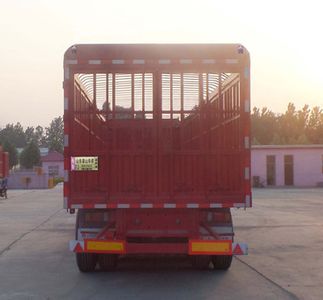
x=4 y=163
x=157 y=150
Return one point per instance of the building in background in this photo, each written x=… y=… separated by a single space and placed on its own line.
x=287 y=165
x=28 y=179
x=43 y=151
x=53 y=164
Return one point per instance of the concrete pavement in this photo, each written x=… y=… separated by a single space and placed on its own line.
x=35 y=262
x=284 y=231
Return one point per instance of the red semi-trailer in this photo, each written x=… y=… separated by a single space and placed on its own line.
x=157 y=150
x=4 y=163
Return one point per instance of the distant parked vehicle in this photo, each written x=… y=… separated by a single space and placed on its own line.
x=157 y=151
x=3 y=188
x=4 y=172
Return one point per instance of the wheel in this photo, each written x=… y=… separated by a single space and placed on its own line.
x=86 y=262
x=201 y=262
x=222 y=262
x=108 y=262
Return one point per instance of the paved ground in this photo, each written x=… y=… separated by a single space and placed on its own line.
x=284 y=231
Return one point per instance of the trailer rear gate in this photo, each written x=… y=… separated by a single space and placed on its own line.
x=157 y=126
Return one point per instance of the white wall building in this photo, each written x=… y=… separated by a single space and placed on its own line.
x=287 y=165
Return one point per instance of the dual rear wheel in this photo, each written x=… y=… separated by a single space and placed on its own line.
x=220 y=262
x=87 y=262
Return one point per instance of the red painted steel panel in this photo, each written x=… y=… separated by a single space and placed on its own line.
x=160 y=248
x=164 y=131
x=4 y=164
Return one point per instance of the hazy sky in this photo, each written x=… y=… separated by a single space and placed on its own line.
x=284 y=39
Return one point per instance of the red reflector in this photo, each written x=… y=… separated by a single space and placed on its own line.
x=237 y=250
x=78 y=248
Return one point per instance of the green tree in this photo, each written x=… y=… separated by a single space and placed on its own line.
x=55 y=135
x=264 y=125
x=13 y=153
x=277 y=139
x=29 y=134
x=293 y=123
x=304 y=126
x=40 y=136
x=314 y=129
x=35 y=134
x=30 y=156
x=14 y=134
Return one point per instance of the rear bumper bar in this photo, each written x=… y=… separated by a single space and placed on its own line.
x=193 y=247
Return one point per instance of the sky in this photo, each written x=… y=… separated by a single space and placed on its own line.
x=284 y=39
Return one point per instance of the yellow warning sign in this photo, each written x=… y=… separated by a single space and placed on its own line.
x=85 y=163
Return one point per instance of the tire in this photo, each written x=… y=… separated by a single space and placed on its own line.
x=86 y=262
x=201 y=262
x=222 y=262
x=108 y=262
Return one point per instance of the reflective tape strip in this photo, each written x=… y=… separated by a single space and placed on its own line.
x=123 y=206
x=100 y=206
x=146 y=205
x=247 y=106
x=231 y=61
x=208 y=61
x=246 y=72
x=65 y=175
x=215 y=205
x=138 y=61
x=210 y=247
x=105 y=246
x=65 y=202
x=94 y=62
x=247 y=142
x=246 y=173
x=248 y=201
x=165 y=205
x=118 y=61
x=66 y=73
x=192 y=205
x=222 y=229
x=65 y=103
x=65 y=140
x=185 y=61
x=71 y=61
x=77 y=206
x=164 y=61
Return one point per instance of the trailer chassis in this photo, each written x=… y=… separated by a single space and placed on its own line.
x=101 y=238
